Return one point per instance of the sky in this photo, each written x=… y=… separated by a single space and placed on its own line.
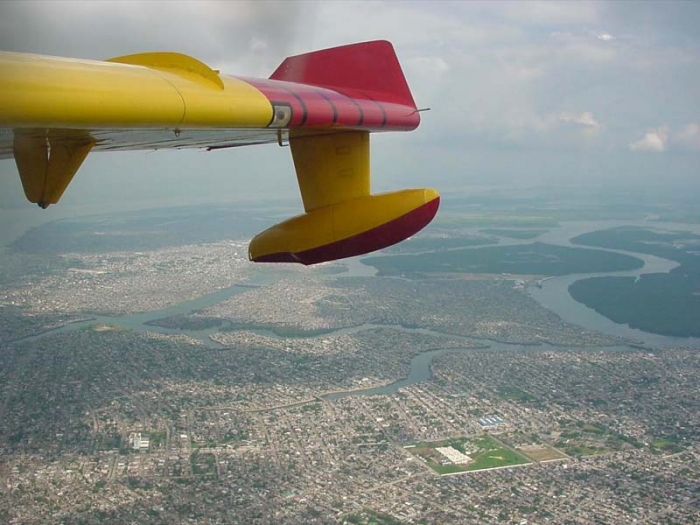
x=521 y=93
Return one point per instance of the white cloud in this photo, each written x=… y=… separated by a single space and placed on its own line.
x=688 y=137
x=653 y=140
x=605 y=37
x=584 y=125
x=584 y=119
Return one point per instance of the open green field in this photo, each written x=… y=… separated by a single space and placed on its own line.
x=514 y=393
x=492 y=455
x=593 y=429
x=541 y=453
x=582 y=449
x=485 y=451
x=666 y=445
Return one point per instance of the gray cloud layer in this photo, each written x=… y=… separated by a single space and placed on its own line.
x=520 y=91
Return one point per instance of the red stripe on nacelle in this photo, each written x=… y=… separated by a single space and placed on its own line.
x=314 y=106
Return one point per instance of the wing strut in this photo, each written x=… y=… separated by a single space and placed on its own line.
x=331 y=168
x=47 y=163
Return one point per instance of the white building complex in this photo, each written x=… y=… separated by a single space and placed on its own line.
x=137 y=442
x=454 y=455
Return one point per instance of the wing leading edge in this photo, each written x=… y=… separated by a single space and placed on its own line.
x=54 y=111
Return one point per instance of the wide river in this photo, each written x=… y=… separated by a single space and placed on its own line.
x=552 y=293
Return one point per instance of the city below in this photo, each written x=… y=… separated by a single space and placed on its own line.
x=148 y=377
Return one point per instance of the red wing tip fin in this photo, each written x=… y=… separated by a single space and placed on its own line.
x=366 y=67
x=377 y=238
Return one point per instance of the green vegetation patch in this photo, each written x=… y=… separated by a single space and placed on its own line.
x=541 y=453
x=667 y=304
x=514 y=393
x=590 y=428
x=278 y=330
x=677 y=246
x=203 y=464
x=108 y=441
x=492 y=455
x=586 y=439
x=500 y=457
x=314 y=406
x=666 y=445
x=580 y=449
x=156 y=439
x=528 y=259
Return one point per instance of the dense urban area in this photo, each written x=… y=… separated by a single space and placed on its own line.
x=179 y=383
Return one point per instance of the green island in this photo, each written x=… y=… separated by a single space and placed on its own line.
x=661 y=303
x=526 y=259
x=665 y=304
x=193 y=322
x=424 y=244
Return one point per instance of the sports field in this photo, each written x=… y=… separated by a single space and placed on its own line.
x=485 y=453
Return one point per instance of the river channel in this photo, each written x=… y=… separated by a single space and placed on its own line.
x=552 y=293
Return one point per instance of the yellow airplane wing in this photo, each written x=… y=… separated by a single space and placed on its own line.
x=55 y=111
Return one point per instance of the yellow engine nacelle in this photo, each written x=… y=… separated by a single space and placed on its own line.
x=348 y=228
